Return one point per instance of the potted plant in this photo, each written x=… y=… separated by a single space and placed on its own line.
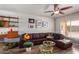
x=28 y=45
x=45 y=46
x=15 y=44
x=1 y=24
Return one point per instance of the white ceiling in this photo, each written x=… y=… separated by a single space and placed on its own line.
x=37 y=9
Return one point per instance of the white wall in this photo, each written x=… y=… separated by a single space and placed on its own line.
x=74 y=16
x=23 y=23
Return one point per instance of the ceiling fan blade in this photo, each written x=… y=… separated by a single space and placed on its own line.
x=66 y=8
x=48 y=11
x=61 y=12
x=52 y=14
x=55 y=6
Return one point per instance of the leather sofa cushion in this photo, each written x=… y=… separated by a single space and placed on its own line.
x=42 y=35
x=39 y=35
x=38 y=39
x=35 y=36
x=58 y=36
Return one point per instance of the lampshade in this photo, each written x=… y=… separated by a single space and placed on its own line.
x=56 y=12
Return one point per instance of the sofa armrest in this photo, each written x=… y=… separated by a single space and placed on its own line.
x=63 y=45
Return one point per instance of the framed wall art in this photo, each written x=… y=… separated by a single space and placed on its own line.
x=31 y=26
x=30 y=20
x=38 y=23
x=44 y=24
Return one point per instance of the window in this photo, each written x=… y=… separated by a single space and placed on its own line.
x=70 y=28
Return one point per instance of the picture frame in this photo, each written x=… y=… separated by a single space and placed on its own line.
x=38 y=23
x=44 y=24
x=31 y=26
x=30 y=20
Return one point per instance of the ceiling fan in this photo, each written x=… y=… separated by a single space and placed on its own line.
x=58 y=10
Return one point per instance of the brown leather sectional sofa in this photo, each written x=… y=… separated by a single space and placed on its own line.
x=38 y=38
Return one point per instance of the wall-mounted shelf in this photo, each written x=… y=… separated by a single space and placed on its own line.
x=9 y=21
x=9 y=17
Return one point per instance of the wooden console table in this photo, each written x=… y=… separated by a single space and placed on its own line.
x=13 y=34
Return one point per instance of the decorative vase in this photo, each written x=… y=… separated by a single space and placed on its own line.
x=28 y=49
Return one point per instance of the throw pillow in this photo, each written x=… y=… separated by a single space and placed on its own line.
x=26 y=37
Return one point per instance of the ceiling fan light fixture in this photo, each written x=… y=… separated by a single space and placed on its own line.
x=56 y=12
